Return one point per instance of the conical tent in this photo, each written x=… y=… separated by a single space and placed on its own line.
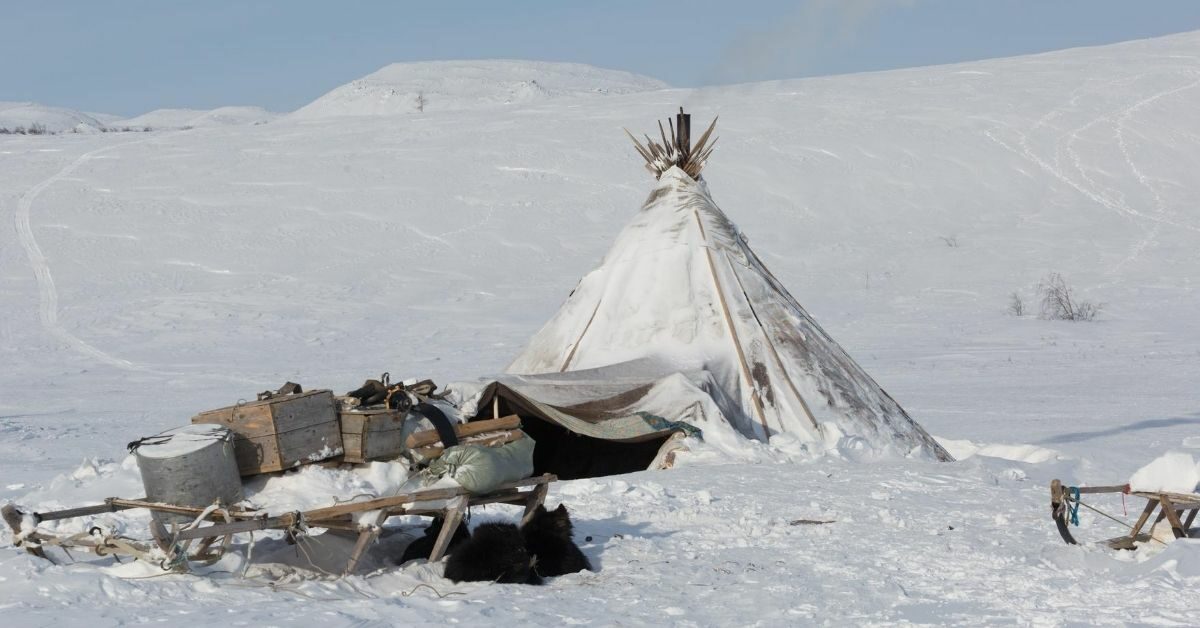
x=682 y=286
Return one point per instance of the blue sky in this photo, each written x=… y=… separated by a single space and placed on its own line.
x=137 y=55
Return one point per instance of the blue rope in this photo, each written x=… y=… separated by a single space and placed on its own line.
x=1074 y=511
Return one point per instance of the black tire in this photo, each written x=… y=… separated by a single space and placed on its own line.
x=1058 y=512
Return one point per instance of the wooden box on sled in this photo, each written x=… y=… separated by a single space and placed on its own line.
x=281 y=432
x=372 y=434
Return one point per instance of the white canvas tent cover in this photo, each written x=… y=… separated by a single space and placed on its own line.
x=603 y=421
x=682 y=292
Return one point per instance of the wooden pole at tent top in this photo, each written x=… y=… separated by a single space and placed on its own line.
x=677 y=150
x=683 y=134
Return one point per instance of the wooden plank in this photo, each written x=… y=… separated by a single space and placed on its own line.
x=297 y=412
x=318 y=516
x=433 y=451
x=256 y=455
x=510 y=496
x=1104 y=489
x=454 y=514
x=309 y=444
x=507 y=493
x=333 y=512
x=124 y=504
x=249 y=525
x=249 y=420
x=352 y=422
x=463 y=430
x=1179 y=499
x=353 y=447
x=82 y=511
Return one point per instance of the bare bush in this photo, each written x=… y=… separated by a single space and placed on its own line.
x=1016 y=306
x=951 y=241
x=1059 y=302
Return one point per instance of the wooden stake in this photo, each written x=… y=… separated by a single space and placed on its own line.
x=1145 y=516
x=365 y=538
x=536 y=497
x=1173 y=517
x=454 y=514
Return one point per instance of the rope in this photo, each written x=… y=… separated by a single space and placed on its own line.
x=157 y=439
x=431 y=588
x=1074 y=510
x=1108 y=516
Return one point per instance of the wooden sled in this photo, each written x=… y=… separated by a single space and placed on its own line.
x=1064 y=500
x=172 y=549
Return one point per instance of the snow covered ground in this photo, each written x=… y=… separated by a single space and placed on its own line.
x=145 y=277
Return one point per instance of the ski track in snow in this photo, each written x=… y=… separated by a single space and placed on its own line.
x=47 y=292
x=1097 y=192
x=1159 y=205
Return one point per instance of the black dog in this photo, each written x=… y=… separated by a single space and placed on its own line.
x=548 y=539
x=494 y=553
x=422 y=547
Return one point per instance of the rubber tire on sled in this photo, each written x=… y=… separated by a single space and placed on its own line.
x=1058 y=512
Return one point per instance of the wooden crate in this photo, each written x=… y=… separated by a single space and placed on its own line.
x=280 y=433
x=374 y=434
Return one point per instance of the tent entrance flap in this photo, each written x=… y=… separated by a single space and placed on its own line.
x=581 y=441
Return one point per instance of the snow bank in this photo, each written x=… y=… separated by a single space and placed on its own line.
x=1031 y=454
x=1172 y=472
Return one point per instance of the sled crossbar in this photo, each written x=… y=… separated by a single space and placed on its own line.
x=226 y=521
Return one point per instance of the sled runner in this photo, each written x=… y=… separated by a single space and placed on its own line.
x=172 y=550
x=1065 y=502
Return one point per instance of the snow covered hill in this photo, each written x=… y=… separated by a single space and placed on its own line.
x=457 y=85
x=144 y=277
x=53 y=119
x=181 y=118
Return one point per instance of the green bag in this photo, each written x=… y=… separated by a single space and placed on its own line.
x=481 y=469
